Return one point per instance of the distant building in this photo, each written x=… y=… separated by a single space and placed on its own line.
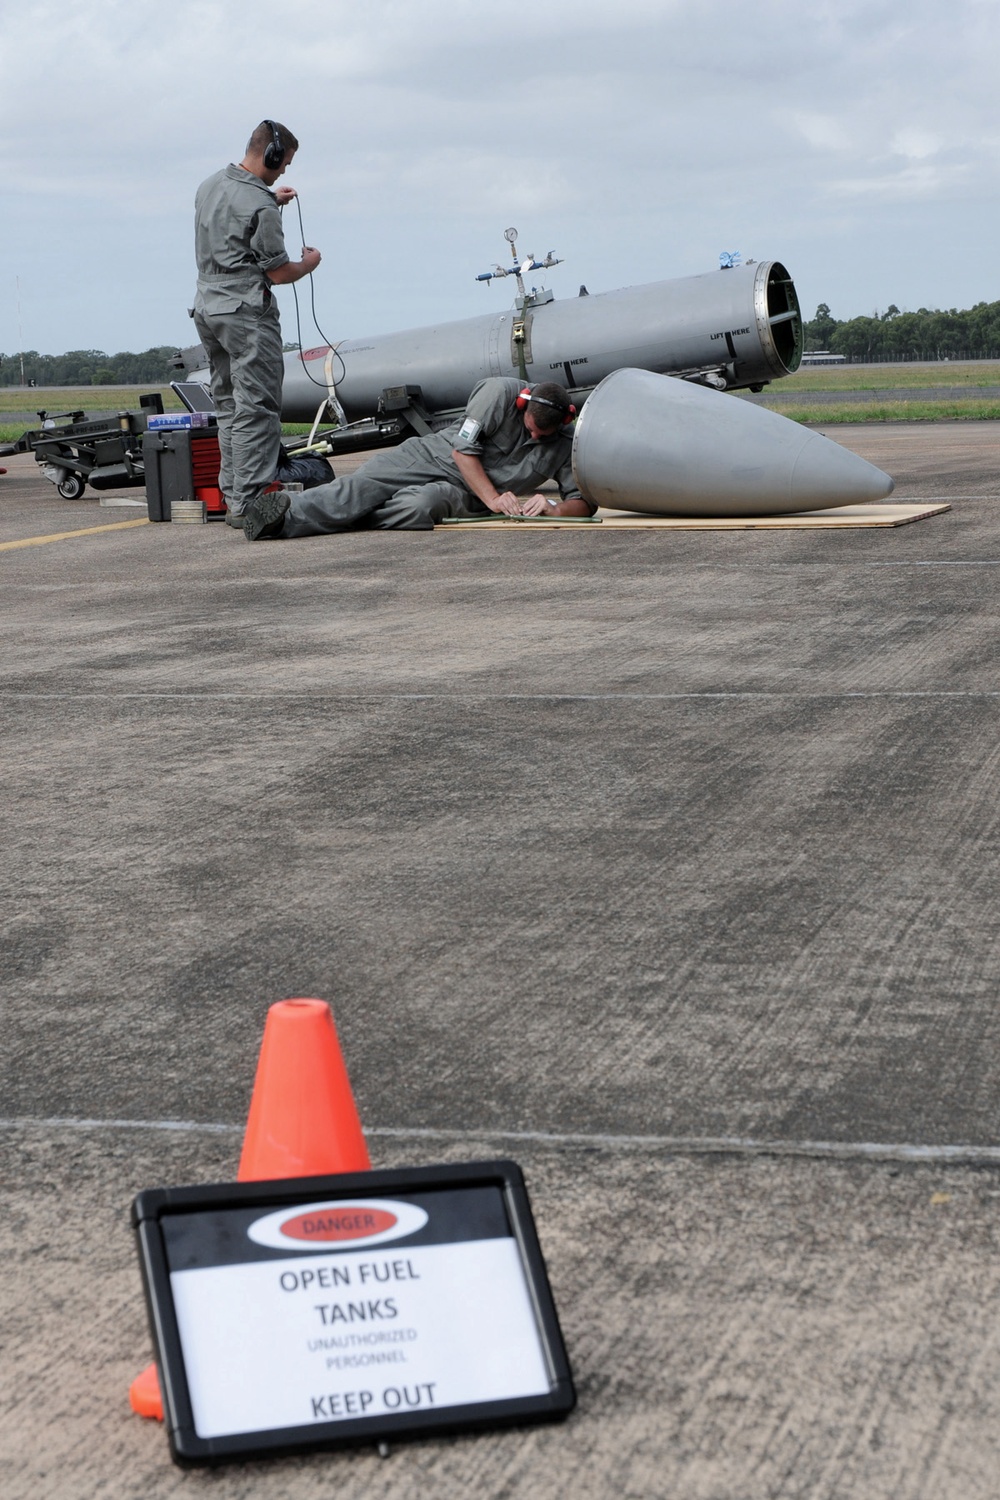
x=823 y=357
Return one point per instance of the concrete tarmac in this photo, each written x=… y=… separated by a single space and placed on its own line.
x=665 y=863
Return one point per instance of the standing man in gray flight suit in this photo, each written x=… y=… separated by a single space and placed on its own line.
x=240 y=250
x=511 y=439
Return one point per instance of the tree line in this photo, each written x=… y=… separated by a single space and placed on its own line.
x=927 y=333
x=94 y=367
x=90 y=367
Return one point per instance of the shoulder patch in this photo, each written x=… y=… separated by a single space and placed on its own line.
x=470 y=430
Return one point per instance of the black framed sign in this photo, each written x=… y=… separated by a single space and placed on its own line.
x=317 y=1311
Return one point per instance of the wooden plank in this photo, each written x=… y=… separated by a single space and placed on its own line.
x=844 y=515
x=617 y=520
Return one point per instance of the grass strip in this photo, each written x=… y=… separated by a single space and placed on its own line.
x=970 y=373
x=828 y=415
x=88 y=398
x=892 y=411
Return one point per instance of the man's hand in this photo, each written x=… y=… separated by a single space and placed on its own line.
x=295 y=270
x=537 y=505
x=544 y=505
x=505 y=504
x=285 y=195
x=470 y=467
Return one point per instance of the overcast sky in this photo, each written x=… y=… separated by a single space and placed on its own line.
x=854 y=140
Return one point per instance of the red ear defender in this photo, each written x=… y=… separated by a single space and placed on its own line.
x=523 y=398
x=570 y=416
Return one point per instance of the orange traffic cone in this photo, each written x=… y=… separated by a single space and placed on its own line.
x=303 y=1122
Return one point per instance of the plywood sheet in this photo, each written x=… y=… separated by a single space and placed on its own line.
x=619 y=520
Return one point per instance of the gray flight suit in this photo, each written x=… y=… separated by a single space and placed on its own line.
x=418 y=483
x=238 y=238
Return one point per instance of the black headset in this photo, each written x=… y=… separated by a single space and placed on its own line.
x=568 y=412
x=274 y=152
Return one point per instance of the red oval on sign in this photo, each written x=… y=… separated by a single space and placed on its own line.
x=348 y=1222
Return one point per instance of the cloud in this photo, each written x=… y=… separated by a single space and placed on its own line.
x=638 y=140
x=824 y=132
x=907 y=183
x=916 y=143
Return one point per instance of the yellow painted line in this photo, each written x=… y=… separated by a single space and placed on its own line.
x=64 y=536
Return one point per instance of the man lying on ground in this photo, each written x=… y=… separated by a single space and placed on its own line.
x=511 y=439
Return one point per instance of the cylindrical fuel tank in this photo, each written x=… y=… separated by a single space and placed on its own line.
x=653 y=443
x=744 y=320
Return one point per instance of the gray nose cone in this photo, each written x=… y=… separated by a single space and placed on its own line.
x=653 y=443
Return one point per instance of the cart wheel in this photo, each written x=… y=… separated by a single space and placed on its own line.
x=72 y=487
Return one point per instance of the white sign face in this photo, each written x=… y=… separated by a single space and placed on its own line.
x=296 y=1339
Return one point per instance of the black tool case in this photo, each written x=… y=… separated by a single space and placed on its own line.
x=181 y=463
